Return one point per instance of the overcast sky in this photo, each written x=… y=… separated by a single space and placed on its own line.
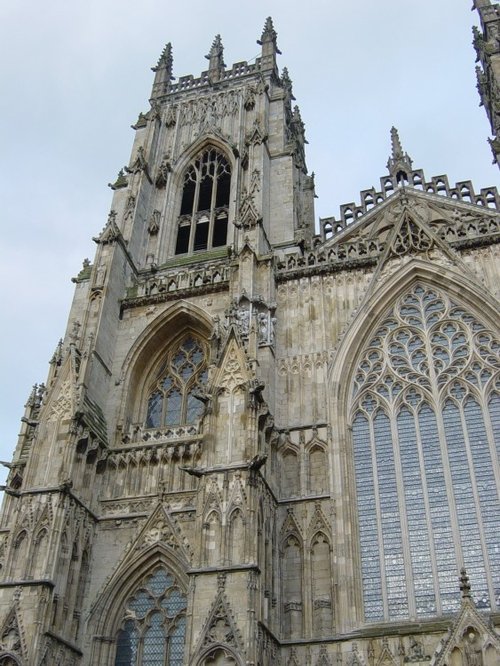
x=75 y=75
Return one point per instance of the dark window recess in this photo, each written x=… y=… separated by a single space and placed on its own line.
x=205 y=198
x=223 y=186
x=220 y=232
x=201 y=236
x=182 y=244
x=188 y=197
x=207 y=186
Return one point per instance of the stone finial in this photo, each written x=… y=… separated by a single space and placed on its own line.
x=399 y=164
x=464 y=584
x=216 y=60
x=163 y=72
x=269 y=46
x=286 y=82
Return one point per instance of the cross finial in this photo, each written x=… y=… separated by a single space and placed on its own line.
x=464 y=584
x=399 y=163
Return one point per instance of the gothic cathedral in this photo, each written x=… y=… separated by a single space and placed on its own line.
x=260 y=442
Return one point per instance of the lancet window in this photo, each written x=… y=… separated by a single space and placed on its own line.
x=426 y=440
x=173 y=396
x=154 y=624
x=204 y=213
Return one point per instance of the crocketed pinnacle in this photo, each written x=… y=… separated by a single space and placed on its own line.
x=165 y=60
x=399 y=164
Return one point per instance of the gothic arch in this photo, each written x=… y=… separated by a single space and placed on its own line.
x=457 y=285
x=219 y=655
x=348 y=390
x=106 y=614
x=177 y=321
x=175 y=189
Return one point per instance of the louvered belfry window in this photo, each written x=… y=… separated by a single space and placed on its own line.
x=204 y=214
x=426 y=441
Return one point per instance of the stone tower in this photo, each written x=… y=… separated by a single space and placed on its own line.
x=257 y=443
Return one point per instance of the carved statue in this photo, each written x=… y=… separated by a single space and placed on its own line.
x=473 y=651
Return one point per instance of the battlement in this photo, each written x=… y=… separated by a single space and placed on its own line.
x=463 y=191
x=238 y=70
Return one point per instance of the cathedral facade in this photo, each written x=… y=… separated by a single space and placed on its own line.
x=260 y=442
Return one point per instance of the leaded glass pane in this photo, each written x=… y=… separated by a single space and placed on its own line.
x=156 y=636
x=126 y=645
x=172 y=402
x=176 y=643
x=435 y=464
x=173 y=407
x=154 y=642
x=153 y=418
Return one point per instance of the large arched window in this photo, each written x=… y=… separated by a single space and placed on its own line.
x=172 y=400
x=426 y=439
x=204 y=210
x=154 y=624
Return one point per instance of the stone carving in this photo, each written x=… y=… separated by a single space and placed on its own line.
x=209 y=108
x=164 y=168
x=220 y=626
x=232 y=372
x=472 y=647
x=111 y=232
x=410 y=237
x=154 y=223
x=129 y=207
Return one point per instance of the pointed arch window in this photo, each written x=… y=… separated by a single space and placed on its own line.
x=172 y=399
x=204 y=213
x=426 y=440
x=154 y=624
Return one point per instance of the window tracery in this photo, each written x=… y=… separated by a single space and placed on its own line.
x=204 y=212
x=173 y=398
x=426 y=439
x=154 y=624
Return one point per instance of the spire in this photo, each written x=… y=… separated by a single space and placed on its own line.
x=399 y=164
x=269 y=46
x=216 y=60
x=464 y=584
x=163 y=72
x=487 y=45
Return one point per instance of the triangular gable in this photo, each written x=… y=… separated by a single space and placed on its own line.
x=12 y=637
x=220 y=627
x=469 y=634
x=233 y=368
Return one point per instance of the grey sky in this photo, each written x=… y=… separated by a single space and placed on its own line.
x=74 y=77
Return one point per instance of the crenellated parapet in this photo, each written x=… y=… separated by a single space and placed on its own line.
x=463 y=191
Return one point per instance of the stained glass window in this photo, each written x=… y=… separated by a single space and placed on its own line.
x=426 y=437
x=153 y=629
x=172 y=400
x=204 y=210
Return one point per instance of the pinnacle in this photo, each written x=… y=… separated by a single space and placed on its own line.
x=216 y=49
x=400 y=163
x=397 y=149
x=269 y=34
x=165 y=59
x=464 y=583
